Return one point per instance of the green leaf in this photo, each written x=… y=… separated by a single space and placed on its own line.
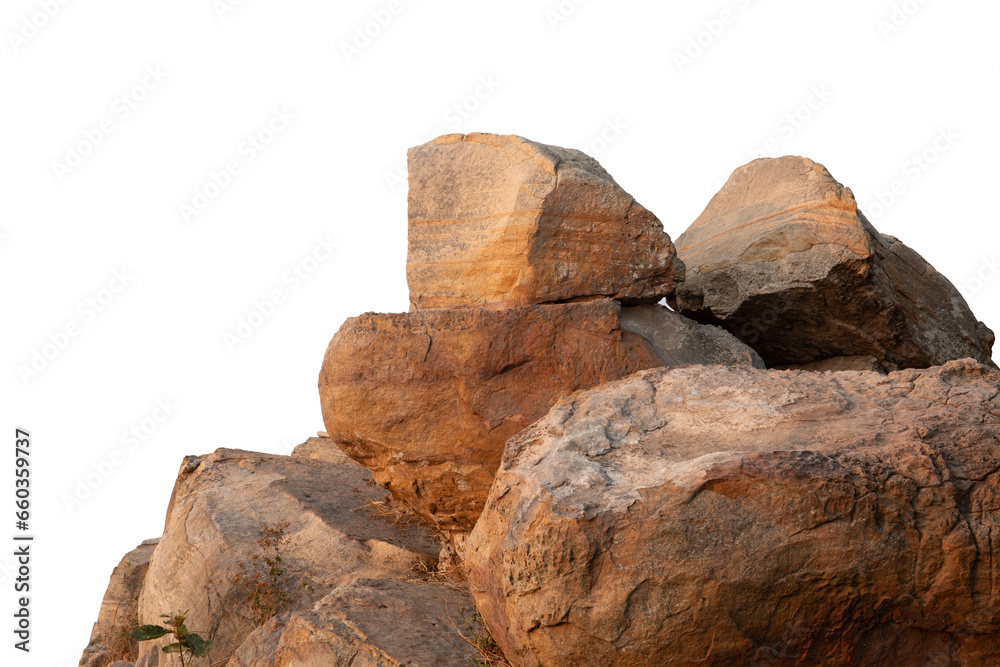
x=146 y=632
x=173 y=648
x=199 y=647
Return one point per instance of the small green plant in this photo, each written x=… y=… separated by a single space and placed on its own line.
x=189 y=643
x=265 y=585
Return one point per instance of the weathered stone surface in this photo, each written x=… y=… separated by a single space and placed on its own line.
x=858 y=363
x=109 y=640
x=679 y=340
x=426 y=400
x=321 y=448
x=783 y=258
x=218 y=506
x=731 y=516
x=371 y=623
x=500 y=221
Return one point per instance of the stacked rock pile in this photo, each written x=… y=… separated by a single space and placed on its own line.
x=795 y=463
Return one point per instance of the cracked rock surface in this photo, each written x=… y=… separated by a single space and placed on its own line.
x=783 y=258
x=219 y=503
x=733 y=516
x=501 y=221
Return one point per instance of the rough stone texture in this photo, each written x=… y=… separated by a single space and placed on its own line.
x=730 y=516
x=858 y=363
x=218 y=506
x=679 y=340
x=783 y=258
x=321 y=448
x=500 y=221
x=118 y=609
x=368 y=623
x=426 y=400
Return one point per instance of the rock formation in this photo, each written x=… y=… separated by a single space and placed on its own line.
x=608 y=481
x=731 y=516
x=783 y=259
x=500 y=222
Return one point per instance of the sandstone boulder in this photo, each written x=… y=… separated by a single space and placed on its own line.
x=679 y=340
x=426 y=400
x=731 y=516
x=500 y=221
x=375 y=623
x=783 y=259
x=110 y=642
x=219 y=504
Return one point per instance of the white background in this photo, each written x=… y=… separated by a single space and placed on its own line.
x=602 y=76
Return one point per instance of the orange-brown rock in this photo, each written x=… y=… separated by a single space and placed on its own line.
x=426 y=400
x=783 y=259
x=500 y=221
x=218 y=506
x=734 y=517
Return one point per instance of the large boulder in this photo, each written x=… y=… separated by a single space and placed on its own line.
x=783 y=258
x=426 y=400
x=732 y=516
x=109 y=640
x=375 y=623
x=219 y=504
x=500 y=221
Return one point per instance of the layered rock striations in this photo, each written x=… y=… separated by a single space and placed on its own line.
x=500 y=221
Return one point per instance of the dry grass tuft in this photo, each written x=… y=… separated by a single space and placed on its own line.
x=478 y=637
x=119 y=643
x=391 y=512
x=266 y=585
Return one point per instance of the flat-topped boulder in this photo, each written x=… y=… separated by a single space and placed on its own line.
x=501 y=221
x=783 y=258
x=731 y=516
x=426 y=400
